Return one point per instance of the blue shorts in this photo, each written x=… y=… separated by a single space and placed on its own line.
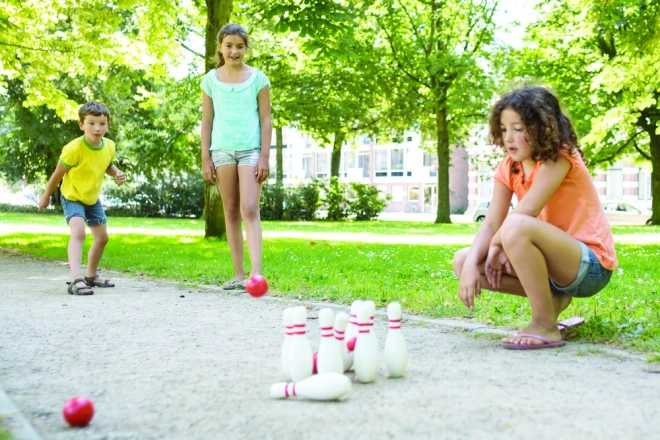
x=93 y=214
x=592 y=277
x=246 y=158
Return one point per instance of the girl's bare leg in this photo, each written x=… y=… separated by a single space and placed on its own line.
x=228 y=184
x=509 y=284
x=538 y=251
x=250 y=195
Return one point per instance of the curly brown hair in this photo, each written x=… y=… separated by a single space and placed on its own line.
x=547 y=129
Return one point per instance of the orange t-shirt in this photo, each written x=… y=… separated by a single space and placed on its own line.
x=574 y=208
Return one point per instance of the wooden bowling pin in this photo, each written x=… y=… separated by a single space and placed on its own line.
x=341 y=321
x=322 y=386
x=352 y=330
x=329 y=358
x=286 y=345
x=300 y=361
x=365 y=360
x=396 y=353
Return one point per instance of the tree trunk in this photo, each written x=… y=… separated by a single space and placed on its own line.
x=279 y=175
x=442 y=130
x=655 y=172
x=218 y=13
x=335 y=160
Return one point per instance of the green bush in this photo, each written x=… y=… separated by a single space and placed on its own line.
x=174 y=196
x=335 y=200
x=367 y=202
x=300 y=202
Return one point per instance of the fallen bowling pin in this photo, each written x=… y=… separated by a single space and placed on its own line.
x=322 y=386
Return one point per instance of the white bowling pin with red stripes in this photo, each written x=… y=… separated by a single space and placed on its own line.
x=329 y=357
x=341 y=321
x=287 y=317
x=365 y=360
x=352 y=331
x=300 y=360
x=322 y=386
x=396 y=353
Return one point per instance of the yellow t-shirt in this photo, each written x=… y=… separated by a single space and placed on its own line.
x=574 y=207
x=87 y=165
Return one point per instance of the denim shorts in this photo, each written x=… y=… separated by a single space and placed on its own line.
x=245 y=158
x=592 y=277
x=93 y=214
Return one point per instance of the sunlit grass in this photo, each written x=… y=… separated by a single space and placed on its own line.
x=626 y=313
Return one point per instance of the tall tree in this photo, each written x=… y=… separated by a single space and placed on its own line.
x=439 y=48
x=41 y=41
x=602 y=58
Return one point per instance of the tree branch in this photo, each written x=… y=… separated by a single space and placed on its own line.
x=200 y=55
x=643 y=153
x=620 y=149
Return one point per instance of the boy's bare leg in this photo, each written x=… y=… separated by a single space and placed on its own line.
x=537 y=251
x=250 y=196
x=74 y=248
x=228 y=184
x=100 y=234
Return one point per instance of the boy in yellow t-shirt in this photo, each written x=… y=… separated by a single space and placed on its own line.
x=83 y=163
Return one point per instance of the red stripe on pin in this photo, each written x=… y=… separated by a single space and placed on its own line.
x=293 y=389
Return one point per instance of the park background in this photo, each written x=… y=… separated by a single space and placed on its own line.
x=343 y=73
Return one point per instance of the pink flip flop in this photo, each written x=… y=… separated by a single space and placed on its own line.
x=573 y=322
x=546 y=343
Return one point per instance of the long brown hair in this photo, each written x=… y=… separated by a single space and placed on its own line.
x=547 y=128
x=230 y=29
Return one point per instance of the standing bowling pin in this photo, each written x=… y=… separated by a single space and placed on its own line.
x=341 y=321
x=352 y=330
x=372 y=315
x=300 y=352
x=329 y=358
x=396 y=353
x=322 y=386
x=288 y=334
x=365 y=360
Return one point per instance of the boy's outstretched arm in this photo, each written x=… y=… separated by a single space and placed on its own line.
x=113 y=171
x=55 y=178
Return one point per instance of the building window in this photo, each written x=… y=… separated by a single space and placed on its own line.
x=614 y=182
x=363 y=162
x=413 y=193
x=321 y=165
x=485 y=184
x=307 y=167
x=397 y=193
x=381 y=163
x=397 y=159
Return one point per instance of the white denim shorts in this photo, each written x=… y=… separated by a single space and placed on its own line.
x=244 y=158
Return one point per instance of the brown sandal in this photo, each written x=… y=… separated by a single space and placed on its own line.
x=96 y=281
x=79 y=290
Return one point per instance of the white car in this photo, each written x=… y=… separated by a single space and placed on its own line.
x=18 y=199
x=626 y=214
x=482 y=209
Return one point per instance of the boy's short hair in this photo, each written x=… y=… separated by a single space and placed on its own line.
x=94 y=108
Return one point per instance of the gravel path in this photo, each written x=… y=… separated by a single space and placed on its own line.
x=167 y=361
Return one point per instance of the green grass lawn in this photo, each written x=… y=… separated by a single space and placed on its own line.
x=626 y=313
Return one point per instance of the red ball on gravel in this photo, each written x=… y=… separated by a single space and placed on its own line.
x=256 y=286
x=78 y=411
